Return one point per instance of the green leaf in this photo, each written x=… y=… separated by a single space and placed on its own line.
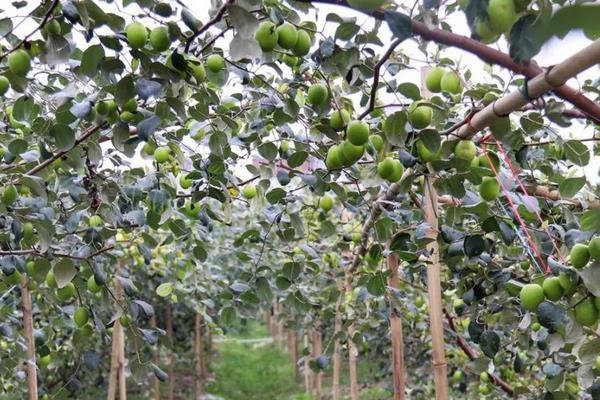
x=268 y=151
x=228 y=315
x=125 y=90
x=394 y=128
x=577 y=152
x=297 y=159
x=292 y=270
x=410 y=90
x=376 y=284
x=525 y=39
x=346 y=30
x=24 y=108
x=90 y=60
x=571 y=186
x=64 y=136
x=400 y=24
x=550 y=316
x=164 y=289
x=489 y=342
x=431 y=139
x=64 y=272
x=590 y=220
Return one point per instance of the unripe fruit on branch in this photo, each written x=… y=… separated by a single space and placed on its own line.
x=137 y=35
x=419 y=116
x=489 y=189
x=19 y=62
x=531 y=296
x=303 y=44
x=451 y=83
x=249 y=191
x=287 y=35
x=326 y=203
x=266 y=35
x=317 y=94
x=357 y=132
x=433 y=79
x=215 y=63
x=465 y=150
x=579 y=255
x=339 y=119
x=159 y=38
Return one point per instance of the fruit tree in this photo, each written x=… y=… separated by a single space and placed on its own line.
x=372 y=178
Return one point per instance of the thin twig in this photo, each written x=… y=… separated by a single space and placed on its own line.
x=218 y=16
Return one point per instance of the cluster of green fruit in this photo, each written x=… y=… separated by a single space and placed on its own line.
x=553 y=288
x=581 y=254
x=350 y=150
x=287 y=37
x=439 y=80
x=501 y=16
x=137 y=36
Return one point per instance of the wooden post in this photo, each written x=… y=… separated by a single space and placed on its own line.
x=352 y=350
x=396 y=332
x=434 y=290
x=308 y=375
x=121 y=373
x=117 y=357
x=155 y=360
x=32 y=385
x=280 y=327
x=169 y=327
x=337 y=347
x=293 y=344
x=317 y=350
x=198 y=348
x=272 y=328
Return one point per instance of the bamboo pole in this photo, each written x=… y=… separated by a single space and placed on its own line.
x=542 y=83
x=121 y=373
x=293 y=341
x=435 y=292
x=198 y=389
x=117 y=357
x=280 y=327
x=337 y=347
x=156 y=381
x=308 y=381
x=32 y=385
x=397 y=337
x=352 y=350
x=317 y=350
x=169 y=327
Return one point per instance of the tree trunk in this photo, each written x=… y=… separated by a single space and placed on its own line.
x=272 y=327
x=155 y=360
x=169 y=327
x=435 y=293
x=337 y=348
x=122 y=377
x=32 y=385
x=317 y=350
x=397 y=339
x=198 y=347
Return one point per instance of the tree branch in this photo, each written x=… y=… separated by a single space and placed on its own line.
x=462 y=343
x=218 y=16
x=489 y=55
x=376 y=73
x=86 y=134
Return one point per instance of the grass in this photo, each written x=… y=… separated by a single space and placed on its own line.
x=245 y=371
